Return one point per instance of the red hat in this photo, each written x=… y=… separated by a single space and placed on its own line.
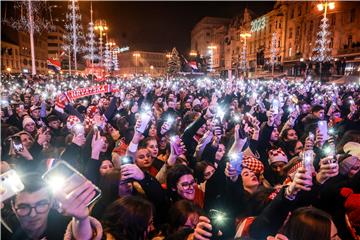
x=277 y=155
x=71 y=121
x=91 y=110
x=253 y=164
x=352 y=205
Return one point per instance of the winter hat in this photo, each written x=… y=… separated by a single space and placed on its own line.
x=253 y=164
x=352 y=206
x=34 y=107
x=348 y=163
x=71 y=121
x=27 y=120
x=91 y=110
x=52 y=118
x=277 y=155
x=352 y=148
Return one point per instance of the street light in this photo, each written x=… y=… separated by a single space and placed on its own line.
x=8 y=70
x=101 y=26
x=193 y=54
x=324 y=7
x=244 y=36
x=136 y=55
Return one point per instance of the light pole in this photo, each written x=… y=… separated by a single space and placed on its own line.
x=136 y=55
x=101 y=26
x=323 y=33
x=244 y=36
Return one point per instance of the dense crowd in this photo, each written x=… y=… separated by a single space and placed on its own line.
x=180 y=158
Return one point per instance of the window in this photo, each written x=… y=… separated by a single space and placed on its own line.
x=292 y=13
x=349 y=41
x=270 y=28
x=290 y=33
x=279 y=25
x=25 y=61
x=352 y=15
x=290 y=50
x=333 y=19
x=331 y=44
x=299 y=11
x=279 y=43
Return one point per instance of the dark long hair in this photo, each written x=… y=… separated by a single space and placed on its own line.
x=128 y=218
x=308 y=223
x=179 y=213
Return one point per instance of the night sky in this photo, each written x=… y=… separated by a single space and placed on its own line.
x=159 y=26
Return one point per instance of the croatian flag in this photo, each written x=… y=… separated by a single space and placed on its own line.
x=193 y=65
x=54 y=65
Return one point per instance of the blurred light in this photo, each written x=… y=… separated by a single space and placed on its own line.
x=331 y=5
x=320 y=7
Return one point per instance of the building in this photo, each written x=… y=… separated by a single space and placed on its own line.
x=55 y=42
x=141 y=62
x=204 y=34
x=22 y=42
x=10 y=57
x=295 y=25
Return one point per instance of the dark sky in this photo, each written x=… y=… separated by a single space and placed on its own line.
x=159 y=26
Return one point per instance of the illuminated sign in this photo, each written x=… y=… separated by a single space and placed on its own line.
x=123 y=49
x=258 y=24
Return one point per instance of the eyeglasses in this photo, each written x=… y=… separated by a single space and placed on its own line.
x=24 y=210
x=187 y=185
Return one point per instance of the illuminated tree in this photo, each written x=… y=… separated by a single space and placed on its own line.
x=174 y=63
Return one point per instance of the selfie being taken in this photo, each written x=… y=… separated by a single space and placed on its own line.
x=180 y=120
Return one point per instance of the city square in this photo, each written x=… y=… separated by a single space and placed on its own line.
x=180 y=120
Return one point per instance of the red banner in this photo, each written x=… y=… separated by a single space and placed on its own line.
x=83 y=92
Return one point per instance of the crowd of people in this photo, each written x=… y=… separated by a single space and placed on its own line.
x=184 y=159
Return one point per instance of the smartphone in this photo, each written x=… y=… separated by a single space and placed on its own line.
x=218 y=221
x=311 y=136
x=17 y=144
x=11 y=185
x=323 y=128
x=308 y=159
x=173 y=139
x=63 y=176
x=126 y=160
x=275 y=106
x=145 y=119
x=235 y=161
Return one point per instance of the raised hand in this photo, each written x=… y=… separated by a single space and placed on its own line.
x=75 y=203
x=231 y=172
x=302 y=181
x=131 y=171
x=329 y=168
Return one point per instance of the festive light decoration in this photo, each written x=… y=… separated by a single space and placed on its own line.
x=273 y=52
x=211 y=50
x=101 y=26
x=322 y=51
x=32 y=21
x=74 y=37
x=91 y=49
x=243 y=63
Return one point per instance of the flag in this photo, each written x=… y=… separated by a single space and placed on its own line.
x=193 y=65
x=54 y=65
